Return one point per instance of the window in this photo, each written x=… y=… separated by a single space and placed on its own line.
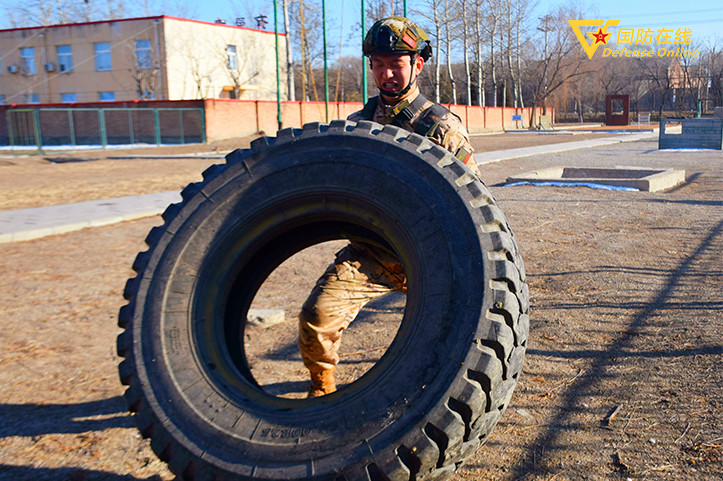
x=68 y=98
x=2 y=100
x=143 y=54
x=65 y=58
x=106 y=96
x=232 y=62
x=32 y=98
x=28 y=59
x=102 y=56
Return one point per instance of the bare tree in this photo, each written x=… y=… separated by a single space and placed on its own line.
x=515 y=12
x=712 y=76
x=561 y=60
x=447 y=22
x=238 y=66
x=465 y=48
x=481 y=77
x=436 y=18
x=196 y=66
x=53 y=12
x=289 y=58
x=378 y=9
x=144 y=70
x=491 y=25
x=660 y=73
x=306 y=20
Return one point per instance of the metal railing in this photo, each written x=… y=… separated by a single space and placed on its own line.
x=45 y=127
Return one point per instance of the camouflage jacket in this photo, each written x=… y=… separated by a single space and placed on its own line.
x=426 y=118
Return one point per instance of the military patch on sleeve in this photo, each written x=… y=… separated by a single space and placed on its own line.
x=463 y=155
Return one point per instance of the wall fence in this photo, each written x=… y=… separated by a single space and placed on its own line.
x=196 y=121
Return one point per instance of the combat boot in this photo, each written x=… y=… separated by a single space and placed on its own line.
x=322 y=382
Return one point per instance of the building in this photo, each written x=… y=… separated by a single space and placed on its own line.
x=152 y=58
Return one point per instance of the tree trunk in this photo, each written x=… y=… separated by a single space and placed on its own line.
x=466 y=53
x=436 y=57
x=481 y=77
x=493 y=63
x=302 y=35
x=289 y=58
x=519 y=66
x=447 y=52
x=504 y=76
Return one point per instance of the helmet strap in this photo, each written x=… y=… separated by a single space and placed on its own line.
x=412 y=81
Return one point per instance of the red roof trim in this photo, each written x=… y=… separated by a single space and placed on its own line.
x=159 y=17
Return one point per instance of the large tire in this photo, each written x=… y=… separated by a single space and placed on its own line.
x=434 y=396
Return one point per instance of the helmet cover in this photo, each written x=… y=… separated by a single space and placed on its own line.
x=397 y=35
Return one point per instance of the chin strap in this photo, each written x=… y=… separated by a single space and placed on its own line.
x=412 y=81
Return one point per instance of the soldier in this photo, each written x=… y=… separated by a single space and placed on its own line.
x=397 y=49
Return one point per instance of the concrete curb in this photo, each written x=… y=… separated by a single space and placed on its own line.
x=25 y=224
x=500 y=155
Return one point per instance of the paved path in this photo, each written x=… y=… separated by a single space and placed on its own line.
x=498 y=155
x=25 y=224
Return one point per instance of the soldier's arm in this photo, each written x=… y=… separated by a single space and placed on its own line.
x=451 y=134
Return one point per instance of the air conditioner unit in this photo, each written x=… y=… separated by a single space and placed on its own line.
x=13 y=68
x=49 y=67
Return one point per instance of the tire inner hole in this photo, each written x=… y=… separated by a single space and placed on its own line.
x=271 y=333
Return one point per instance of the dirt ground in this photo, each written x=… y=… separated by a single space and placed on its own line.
x=65 y=177
x=624 y=372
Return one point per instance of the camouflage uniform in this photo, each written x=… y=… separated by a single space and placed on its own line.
x=447 y=132
x=362 y=272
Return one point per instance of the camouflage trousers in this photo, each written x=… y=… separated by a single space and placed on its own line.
x=359 y=274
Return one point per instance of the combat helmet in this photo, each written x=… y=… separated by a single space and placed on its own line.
x=397 y=35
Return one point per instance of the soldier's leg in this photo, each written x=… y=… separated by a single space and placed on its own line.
x=355 y=278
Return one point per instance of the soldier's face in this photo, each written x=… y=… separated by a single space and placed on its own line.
x=394 y=72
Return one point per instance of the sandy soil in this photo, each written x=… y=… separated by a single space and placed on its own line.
x=623 y=377
x=61 y=178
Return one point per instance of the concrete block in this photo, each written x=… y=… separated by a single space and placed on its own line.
x=641 y=178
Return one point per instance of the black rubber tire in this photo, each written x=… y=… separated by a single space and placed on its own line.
x=434 y=396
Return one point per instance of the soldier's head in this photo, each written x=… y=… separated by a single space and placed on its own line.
x=397 y=49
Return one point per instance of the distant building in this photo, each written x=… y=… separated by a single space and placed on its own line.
x=152 y=58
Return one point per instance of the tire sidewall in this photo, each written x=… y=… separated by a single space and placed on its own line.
x=415 y=206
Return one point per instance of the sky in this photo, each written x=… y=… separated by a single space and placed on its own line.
x=703 y=17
